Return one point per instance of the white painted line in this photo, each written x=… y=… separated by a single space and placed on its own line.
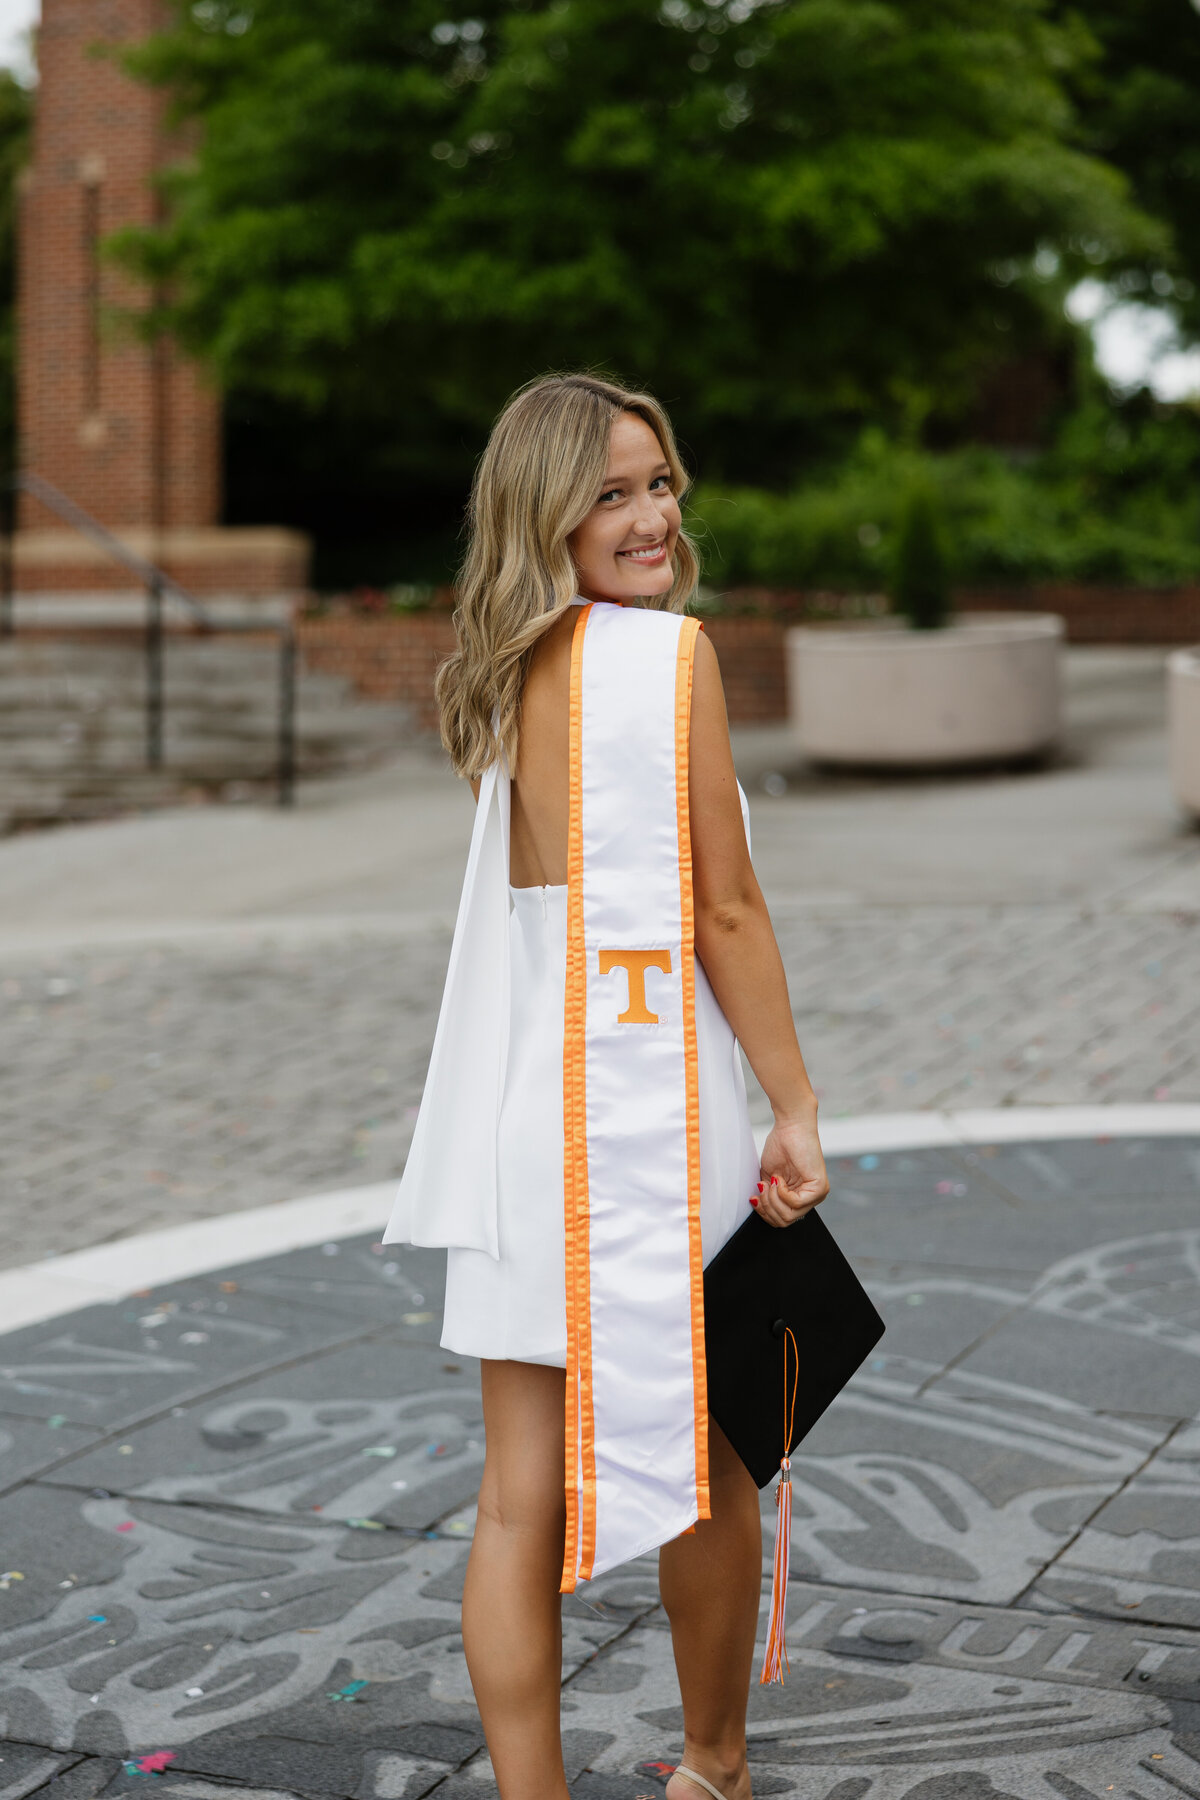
x=1006 y=1125
x=888 y=1131
x=60 y=1284
x=110 y=1272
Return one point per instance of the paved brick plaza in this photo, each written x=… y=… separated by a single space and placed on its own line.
x=143 y=1088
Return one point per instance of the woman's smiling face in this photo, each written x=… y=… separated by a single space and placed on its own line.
x=623 y=550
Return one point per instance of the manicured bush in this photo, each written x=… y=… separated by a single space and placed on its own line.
x=1116 y=499
x=921 y=577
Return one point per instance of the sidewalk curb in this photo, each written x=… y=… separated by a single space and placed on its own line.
x=109 y=1272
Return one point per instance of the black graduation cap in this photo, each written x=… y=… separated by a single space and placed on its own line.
x=765 y=1281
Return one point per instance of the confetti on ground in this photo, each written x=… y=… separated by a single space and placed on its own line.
x=125 y=1525
x=7 y=1579
x=97 y=1619
x=351 y=1691
x=152 y=1764
x=193 y=1693
x=56 y=1420
x=367 y=1524
x=228 y=1287
x=381 y=1450
x=421 y=1318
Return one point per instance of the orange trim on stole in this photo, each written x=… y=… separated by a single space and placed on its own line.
x=580 y=1426
x=684 y=665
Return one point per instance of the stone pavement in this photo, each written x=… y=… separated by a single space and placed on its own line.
x=217 y=1008
x=234 y=1515
x=147 y=1087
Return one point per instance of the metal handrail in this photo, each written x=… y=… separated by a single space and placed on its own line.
x=74 y=515
x=159 y=587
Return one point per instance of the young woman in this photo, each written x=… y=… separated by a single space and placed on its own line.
x=583 y=1145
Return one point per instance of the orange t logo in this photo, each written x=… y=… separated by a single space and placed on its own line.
x=635 y=963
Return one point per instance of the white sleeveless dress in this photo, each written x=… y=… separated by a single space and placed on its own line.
x=514 y=1308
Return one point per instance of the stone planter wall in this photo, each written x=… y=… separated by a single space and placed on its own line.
x=984 y=689
x=1183 y=724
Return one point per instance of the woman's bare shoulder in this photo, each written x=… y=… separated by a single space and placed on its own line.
x=708 y=691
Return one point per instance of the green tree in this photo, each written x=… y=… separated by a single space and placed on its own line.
x=921 y=578
x=787 y=216
x=1138 y=104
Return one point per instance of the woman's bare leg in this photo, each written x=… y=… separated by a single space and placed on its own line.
x=710 y=1585
x=512 y=1618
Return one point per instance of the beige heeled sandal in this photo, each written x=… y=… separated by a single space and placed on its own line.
x=691 y=1775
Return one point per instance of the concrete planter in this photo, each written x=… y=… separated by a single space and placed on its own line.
x=985 y=689
x=1183 y=725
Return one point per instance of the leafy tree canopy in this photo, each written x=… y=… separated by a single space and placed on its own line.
x=1138 y=102
x=787 y=216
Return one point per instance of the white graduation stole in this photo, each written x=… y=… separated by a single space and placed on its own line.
x=637 y=1405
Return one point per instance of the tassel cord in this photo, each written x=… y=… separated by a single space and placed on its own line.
x=775 y=1657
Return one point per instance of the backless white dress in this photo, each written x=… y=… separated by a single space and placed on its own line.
x=514 y=1308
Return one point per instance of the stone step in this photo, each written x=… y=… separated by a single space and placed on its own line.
x=73 y=725
x=329 y=715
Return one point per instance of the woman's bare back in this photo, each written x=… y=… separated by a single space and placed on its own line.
x=538 y=849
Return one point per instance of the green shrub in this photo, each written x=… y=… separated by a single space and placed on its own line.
x=921 y=577
x=1117 y=499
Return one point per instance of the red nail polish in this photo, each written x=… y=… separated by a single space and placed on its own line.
x=754 y=1199
x=774 y=1180
x=760 y=1187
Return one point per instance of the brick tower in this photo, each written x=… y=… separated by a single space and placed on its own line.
x=129 y=430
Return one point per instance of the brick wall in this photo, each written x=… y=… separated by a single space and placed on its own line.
x=397 y=659
x=1099 y=615
x=248 y=561
x=750 y=652
x=386 y=659
x=128 y=430
x=1092 y=614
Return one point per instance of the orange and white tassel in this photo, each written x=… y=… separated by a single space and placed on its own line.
x=775 y=1658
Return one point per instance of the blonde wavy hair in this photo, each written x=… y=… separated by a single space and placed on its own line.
x=538 y=479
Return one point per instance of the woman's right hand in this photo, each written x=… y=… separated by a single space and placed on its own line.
x=793 y=1173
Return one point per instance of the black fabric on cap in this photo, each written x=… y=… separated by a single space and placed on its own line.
x=764 y=1280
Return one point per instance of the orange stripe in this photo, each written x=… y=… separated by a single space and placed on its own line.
x=583 y=1238
x=684 y=665
x=575 y=1171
